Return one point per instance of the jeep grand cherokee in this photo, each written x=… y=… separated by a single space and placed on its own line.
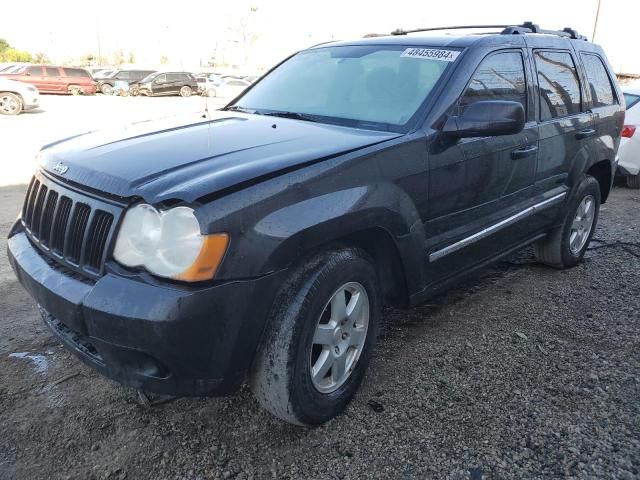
x=261 y=242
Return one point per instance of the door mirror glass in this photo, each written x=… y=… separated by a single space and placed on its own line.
x=487 y=118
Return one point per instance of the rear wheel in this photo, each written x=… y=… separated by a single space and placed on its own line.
x=322 y=330
x=10 y=103
x=106 y=89
x=565 y=246
x=186 y=91
x=633 y=181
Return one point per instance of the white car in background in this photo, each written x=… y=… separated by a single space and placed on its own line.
x=629 y=151
x=229 y=87
x=15 y=97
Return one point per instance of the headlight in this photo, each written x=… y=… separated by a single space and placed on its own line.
x=168 y=243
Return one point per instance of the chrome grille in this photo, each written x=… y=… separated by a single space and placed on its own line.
x=71 y=227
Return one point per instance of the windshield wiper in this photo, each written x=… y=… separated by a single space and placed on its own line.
x=238 y=108
x=294 y=115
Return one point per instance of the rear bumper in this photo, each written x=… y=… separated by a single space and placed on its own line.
x=158 y=338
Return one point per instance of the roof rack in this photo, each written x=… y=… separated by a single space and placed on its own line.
x=526 y=27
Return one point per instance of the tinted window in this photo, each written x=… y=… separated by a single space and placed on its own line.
x=237 y=83
x=602 y=93
x=76 y=72
x=52 y=71
x=34 y=70
x=499 y=77
x=160 y=78
x=123 y=76
x=559 y=86
x=631 y=99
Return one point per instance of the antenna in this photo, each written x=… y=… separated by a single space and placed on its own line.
x=206 y=108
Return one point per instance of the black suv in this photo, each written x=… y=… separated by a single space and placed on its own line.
x=260 y=242
x=105 y=85
x=167 y=83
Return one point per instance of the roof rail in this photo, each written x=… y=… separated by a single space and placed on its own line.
x=526 y=27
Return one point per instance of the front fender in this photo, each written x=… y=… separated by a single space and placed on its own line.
x=284 y=236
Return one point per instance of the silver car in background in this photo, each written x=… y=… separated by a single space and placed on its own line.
x=16 y=97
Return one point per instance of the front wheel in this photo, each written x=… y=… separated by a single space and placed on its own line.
x=75 y=90
x=10 y=103
x=186 y=91
x=565 y=246
x=319 y=340
x=106 y=89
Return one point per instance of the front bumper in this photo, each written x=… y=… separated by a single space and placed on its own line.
x=164 y=339
x=30 y=101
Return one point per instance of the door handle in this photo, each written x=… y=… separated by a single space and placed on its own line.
x=524 y=152
x=586 y=133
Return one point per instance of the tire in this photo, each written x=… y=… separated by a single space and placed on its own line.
x=558 y=249
x=75 y=90
x=106 y=89
x=633 y=181
x=281 y=377
x=186 y=91
x=10 y=103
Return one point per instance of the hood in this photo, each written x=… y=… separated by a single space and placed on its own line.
x=186 y=158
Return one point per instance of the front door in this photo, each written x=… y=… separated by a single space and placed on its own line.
x=476 y=183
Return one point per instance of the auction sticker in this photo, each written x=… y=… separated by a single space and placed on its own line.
x=431 y=54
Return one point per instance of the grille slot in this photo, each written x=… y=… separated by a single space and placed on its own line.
x=76 y=232
x=60 y=225
x=47 y=218
x=98 y=233
x=71 y=228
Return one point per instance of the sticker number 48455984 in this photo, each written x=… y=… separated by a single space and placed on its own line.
x=431 y=54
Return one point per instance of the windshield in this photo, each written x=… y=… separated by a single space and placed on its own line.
x=149 y=77
x=372 y=86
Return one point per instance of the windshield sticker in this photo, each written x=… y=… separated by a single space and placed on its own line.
x=431 y=54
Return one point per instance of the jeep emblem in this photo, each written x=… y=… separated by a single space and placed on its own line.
x=60 y=168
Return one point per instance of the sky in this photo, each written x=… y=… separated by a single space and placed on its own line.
x=260 y=33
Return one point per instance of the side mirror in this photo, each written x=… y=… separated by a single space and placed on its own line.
x=487 y=118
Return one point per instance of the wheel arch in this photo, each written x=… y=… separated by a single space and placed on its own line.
x=602 y=171
x=393 y=238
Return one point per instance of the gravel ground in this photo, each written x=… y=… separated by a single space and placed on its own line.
x=521 y=372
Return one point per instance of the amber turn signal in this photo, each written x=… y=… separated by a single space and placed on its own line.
x=208 y=261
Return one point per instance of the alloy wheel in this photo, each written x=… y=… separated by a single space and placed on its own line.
x=582 y=224
x=339 y=337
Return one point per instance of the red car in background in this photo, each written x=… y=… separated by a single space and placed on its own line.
x=54 y=79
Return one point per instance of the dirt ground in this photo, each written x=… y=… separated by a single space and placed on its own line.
x=521 y=372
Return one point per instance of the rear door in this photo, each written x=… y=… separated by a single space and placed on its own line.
x=566 y=130
x=602 y=100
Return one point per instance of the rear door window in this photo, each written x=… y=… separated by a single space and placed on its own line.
x=76 y=72
x=34 y=70
x=631 y=99
x=602 y=92
x=499 y=77
x=558 y=83
x=52 y=71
